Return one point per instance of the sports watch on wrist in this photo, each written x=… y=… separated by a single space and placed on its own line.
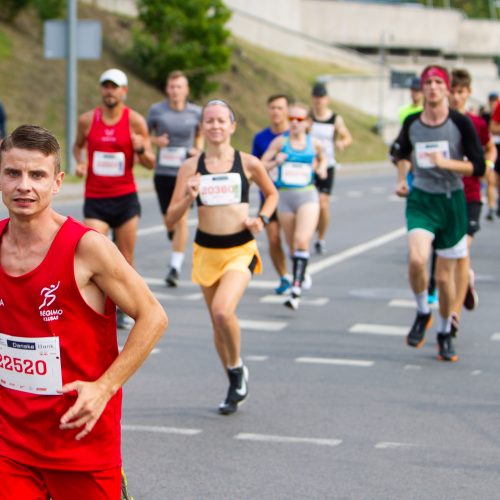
x=264 y=219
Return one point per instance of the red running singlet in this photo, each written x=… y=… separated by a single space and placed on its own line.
x=110 y=158
x=46 y=303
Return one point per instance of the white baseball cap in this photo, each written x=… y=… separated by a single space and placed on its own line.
x=116 y=76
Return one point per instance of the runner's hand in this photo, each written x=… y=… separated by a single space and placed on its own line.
x=162 y=140
x=193 y=186
x=89 y=405
x=255 y=225
x=322 y=173
x=137 y=141
x=280 y=158
x=402 y=189
x=81 y=169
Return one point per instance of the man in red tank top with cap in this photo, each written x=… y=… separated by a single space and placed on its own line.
x=60 y=370
x=114 y=135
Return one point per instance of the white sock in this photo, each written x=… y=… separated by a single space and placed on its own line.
x=444 y=324
x=422 y=302
x=237 y=365
x=176 y=260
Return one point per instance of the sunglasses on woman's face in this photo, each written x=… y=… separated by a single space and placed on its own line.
x=297 y=118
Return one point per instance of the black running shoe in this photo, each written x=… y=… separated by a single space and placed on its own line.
x=446 y=351
x=415 y=337
x=237 y=392
x=172 y=278
x=125 y=494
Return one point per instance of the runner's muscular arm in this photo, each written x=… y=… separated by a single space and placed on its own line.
x=185 y=191
x=273 y=155
x=344 y=136
x=98 y=262
x=257 y=173
x=82 y=130
x=141 y=140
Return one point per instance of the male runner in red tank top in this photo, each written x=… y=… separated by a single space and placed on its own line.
x=113 y=135
x=60 y=370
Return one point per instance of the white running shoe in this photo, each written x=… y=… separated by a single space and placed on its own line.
x=307 y=283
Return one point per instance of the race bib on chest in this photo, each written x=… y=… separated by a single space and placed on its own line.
x=220 y=189
x=296 y=174
x=422 y=150
x=108 y=164
x=30 y=364
x=171 y=157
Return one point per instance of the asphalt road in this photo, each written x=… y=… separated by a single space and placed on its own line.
x=339 y=406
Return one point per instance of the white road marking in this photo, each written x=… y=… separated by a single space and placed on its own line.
x=354 y=194
x=395 y=198
x=378 y=189
x=379 y=329
x=476 y=372
x=413 y=367
x=336 y=361
x=256 y=358
x=286 y=439
x=161 y=429
x=387 y=445
x=496 y=336
x=267 y=326
x=316 y=267
x=304 y=301
x=408 y=303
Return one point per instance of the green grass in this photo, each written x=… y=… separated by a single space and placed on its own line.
x=32 y=88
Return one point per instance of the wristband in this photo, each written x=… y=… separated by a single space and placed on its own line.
x=139 y=151
x=490 y=164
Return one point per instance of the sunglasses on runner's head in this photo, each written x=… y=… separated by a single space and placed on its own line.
x=297 y=118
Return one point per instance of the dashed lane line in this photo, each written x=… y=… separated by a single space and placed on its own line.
x=496 y=336
x=391 y=445
x=267 y=326
x=304 y=301
x=409 y=304
x=161 y=429
x=371 y=329
x=269 y=438
x=332 y=260
x=336 y=361
x=256 y=358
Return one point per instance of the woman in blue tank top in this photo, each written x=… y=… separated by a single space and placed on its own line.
x=293 y=161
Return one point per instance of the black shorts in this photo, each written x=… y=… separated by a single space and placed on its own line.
x=164 y=187
x=113 y=211
x=473 y=217
x=497 y=162
x=325 y=186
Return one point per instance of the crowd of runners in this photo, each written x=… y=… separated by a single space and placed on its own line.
x=68 y=373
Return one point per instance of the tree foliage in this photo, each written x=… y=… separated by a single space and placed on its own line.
x=46 y=9
x=187 y=35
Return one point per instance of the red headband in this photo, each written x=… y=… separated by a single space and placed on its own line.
x=433 y=71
